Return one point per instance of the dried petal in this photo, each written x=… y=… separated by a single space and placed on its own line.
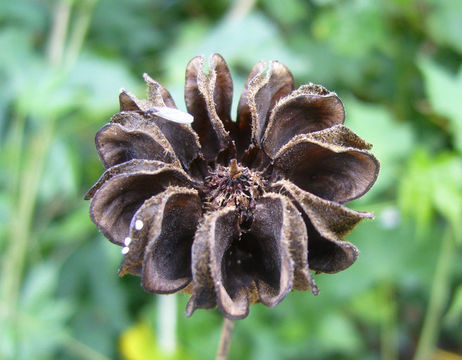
x=327 y=223
x=329 y=256
x=129 y=102
x=296 y=233
x=244 y=116
x=223 y=91
x=119 y=197
x=130 y=136
x=340 y=135
x=131 y=166
x=232 y=298
x=181 y=137
x=171 y=226
x=331 y=172
x=305 y=110
x=261 y=255
x=217 y=227
x=151 y=214
x=264 y=91
x=157 y=94
x=332 y=220
x=200 y=100
x=183 y=140
x=269 y=242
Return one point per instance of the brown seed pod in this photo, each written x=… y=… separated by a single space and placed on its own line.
x=231 y=212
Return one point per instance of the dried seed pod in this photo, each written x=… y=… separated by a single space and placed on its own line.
x=231 y=212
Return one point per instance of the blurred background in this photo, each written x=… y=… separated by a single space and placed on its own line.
x=396 y=64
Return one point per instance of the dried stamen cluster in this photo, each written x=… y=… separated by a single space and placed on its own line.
x=233 y=186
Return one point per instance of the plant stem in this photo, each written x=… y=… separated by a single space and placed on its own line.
x=29 y=179
x=166 y=326
x=20 y=225
x=225 y=339
x=61 y=16
x=240 y=9
x=79 y=31
x=438 y=299
x=389 y=336
x=17 y=140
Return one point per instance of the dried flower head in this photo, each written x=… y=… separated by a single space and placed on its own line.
x=232 y=212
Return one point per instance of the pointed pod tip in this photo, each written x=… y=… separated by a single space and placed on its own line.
x=369 y=215
x=122 y=271
x=88 y=195
x=147 y=78
x=190 y=307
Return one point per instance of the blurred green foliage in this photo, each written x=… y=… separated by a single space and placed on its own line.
x=396 y=64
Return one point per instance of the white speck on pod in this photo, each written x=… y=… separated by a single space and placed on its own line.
x=127 y=241
x=125 y=250
x=171 y=114
x=139 y=224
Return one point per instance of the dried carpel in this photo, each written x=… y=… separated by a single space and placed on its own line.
x=233 y=185
x=232 y=213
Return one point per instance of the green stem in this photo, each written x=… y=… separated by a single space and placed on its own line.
x=21 y=222
x=16 y=140
x=28 y=180
x=58 y=33
x=240 y=9
x=79 y=31
x=389 y=336
x=167 y=321
x=20 y=227
x=438 y=299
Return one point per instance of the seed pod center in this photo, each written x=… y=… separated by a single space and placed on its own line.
x=234 y=185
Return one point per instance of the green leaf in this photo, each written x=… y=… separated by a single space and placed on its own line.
x=97 y=82
x=72 y=228
x=340 y=334
x=415 y=194
x=236 y=40
x=392 y=141
x=447 y=195
x=287 y=12
x=445 y=22
x=42 y=320
x=90 y=275
x=30 y=14
x=444 y=91
x=59 y=176
x=432 y=184
x=335 y=26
